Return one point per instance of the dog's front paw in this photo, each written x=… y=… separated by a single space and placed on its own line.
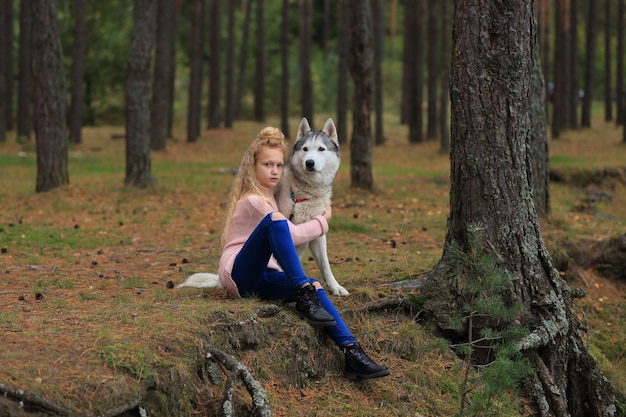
x=338 y=290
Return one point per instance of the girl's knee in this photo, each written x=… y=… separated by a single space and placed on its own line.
x=277 y=215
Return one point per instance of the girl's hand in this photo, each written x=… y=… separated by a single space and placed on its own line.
x=328 y=212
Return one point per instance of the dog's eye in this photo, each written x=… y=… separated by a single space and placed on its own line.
x=305 y=149
x=320 y=149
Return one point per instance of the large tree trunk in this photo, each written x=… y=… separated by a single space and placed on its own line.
x=360 y=60
x=48 y=97
x=195 y=71
x=491 y=185
x=138 y=162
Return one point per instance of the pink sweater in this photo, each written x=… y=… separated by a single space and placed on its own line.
x=248 y=213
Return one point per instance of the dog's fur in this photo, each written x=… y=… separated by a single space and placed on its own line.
x=304 y=191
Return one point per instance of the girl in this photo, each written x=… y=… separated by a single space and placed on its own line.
x=259 y=256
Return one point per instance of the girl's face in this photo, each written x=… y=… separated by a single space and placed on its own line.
x=269 y=167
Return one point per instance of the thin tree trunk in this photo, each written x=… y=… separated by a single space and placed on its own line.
x=378 y=20
x=230 y=67
x=306 y=84
x=78 y=74
x=24 y=96
x=8 y=39
x=446 y=52
x=195 y=71
x=590 y=63
x=4 y=72
x=560 y=100
x=619 y=77
x=243 y=55
x=138 y=160
x=343 y=35
x=608 y=80
x=215 y=65
x=538 y=145
x=284 y=66
x=360 y=61
x=433 y=69
x=259 y=76
x=574 y=87
x=48 y=97
x=164 y=69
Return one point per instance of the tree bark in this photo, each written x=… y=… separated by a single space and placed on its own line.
x=78 y=73
x=491 y=184
x=164 y=69
x=138 y=161
x=195 y=71
x=24 y=96
x=48 y=97
x=360 y=59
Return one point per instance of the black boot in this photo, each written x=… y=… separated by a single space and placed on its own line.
x=310 y=307
x=361 y=366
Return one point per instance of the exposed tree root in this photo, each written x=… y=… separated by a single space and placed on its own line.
x=30 y=401
x=239 y=373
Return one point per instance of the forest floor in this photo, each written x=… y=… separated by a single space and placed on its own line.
x=91 y=322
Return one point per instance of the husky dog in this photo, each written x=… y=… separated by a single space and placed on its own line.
x=304 y=191
x=306 y=188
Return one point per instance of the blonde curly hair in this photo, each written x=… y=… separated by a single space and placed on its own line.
x=246 y=181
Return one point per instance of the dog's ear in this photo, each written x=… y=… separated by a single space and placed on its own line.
x=331 y=130
x=303 y=129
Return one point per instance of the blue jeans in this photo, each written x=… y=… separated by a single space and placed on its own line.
x=253 y=277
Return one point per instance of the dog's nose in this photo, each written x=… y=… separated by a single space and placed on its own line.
x=310 y=164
